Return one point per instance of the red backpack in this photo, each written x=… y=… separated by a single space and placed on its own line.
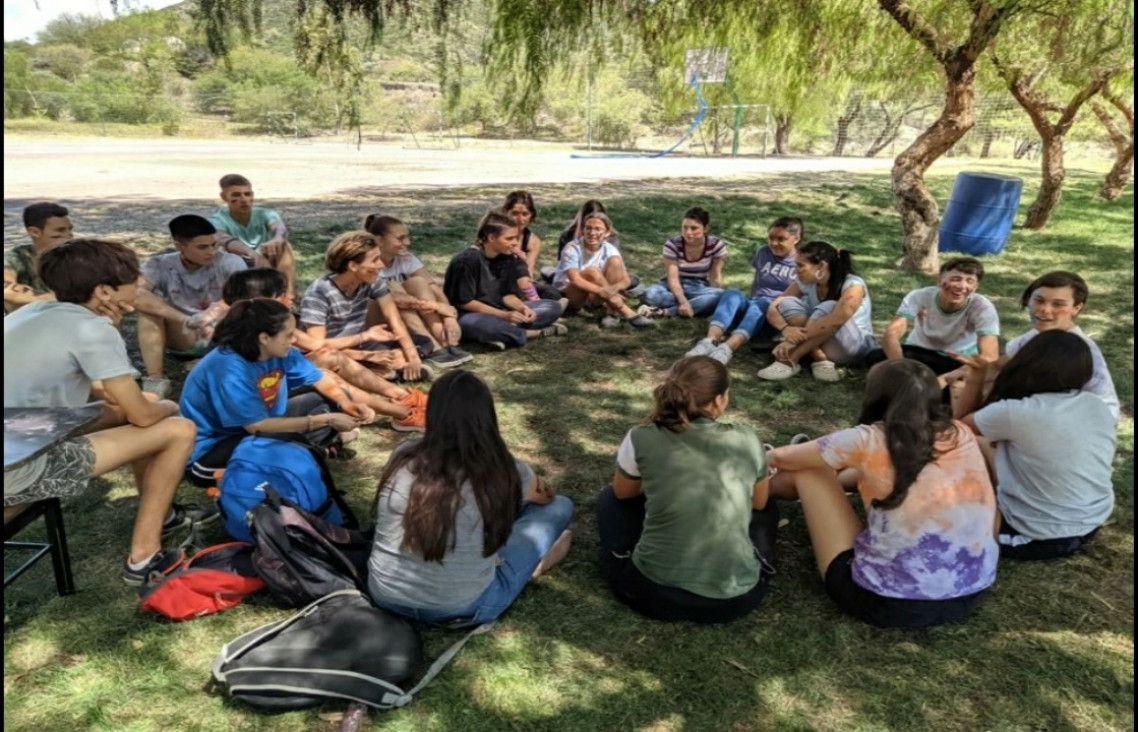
x=215 y=578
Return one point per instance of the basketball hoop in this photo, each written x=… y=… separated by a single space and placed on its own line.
x=705 y=65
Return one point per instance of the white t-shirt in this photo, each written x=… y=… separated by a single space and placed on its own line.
x=1101 y=384
x=937 y=330
x=1053 y=462
x=401 y=268
x=862 y=317
x=190 y=292
x=54 y=350
x=574 y=256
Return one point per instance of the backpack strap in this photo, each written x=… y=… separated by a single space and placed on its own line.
x=440 y=663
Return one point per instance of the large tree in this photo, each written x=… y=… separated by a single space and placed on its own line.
x=1053 y=64
x=1121 y=137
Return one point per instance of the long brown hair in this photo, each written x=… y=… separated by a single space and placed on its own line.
x=462 y=443
x=690 y=387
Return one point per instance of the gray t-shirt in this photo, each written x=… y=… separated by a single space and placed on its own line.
x=862 y=317
x=326 y=304
x=405 y=578
x=937 y=330
x=54 y=350
x=1101 y=384
x=401 y=268
x=1053 y=462
x=190 y=292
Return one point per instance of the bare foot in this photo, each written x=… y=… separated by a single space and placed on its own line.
x=555 y=554
x=350 y=435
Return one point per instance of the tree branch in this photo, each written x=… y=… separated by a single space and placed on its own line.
x=917 y=27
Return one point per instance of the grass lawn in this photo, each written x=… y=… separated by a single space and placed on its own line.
x=1051 y=648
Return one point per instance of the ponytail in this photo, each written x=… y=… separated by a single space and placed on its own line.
x=840 y=262
x=689 y=388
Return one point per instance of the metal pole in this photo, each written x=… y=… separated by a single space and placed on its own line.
x=588 y=108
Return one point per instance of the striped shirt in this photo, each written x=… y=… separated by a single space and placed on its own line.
x=326 y=304
x=699 y=269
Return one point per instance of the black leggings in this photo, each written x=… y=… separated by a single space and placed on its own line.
x=620 y=523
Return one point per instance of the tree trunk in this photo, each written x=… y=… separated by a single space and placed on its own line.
x=986 y=149
x=920 y=214
x=853 y=109
x=1123 y=168
x=782 y=134
x=1051 y=183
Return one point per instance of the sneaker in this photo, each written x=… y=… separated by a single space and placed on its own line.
x=163 y=563
x=800 y=438
x=158 y=387
x=557 y=329
x=636 y=291
x=189 y=514
x=639 y=321
x=414 y=398
x=461 y=355
x=779 y=371
x=722 y=353
x=495 y=345
x=648 y=311
x=443 y=358
x=415 y=421
x=610 y=321
x=703 y=348
x=399 y=378
x=825 y=371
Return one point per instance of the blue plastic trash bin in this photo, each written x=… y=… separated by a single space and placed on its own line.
x=980 y=213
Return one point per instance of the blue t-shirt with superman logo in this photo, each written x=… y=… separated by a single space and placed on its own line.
x=224 y=392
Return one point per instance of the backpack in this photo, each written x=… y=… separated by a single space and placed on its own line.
x=215 y=578
x=339 y=648
x=293 y=467
x=302 y=557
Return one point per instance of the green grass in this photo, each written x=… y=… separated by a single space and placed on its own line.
x=1050 y=649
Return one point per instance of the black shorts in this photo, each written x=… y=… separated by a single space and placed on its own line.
x=1015 y=545
x=891 y=612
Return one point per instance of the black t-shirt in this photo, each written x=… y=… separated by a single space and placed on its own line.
x=471 y=275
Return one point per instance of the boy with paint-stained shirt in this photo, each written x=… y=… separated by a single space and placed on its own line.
x=255 y=233
x=932 y=323
x=48 y=225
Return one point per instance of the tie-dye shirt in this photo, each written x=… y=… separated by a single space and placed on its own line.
x=938 y=543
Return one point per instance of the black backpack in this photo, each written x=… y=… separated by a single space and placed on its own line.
x=300 y=556
x=340 y=648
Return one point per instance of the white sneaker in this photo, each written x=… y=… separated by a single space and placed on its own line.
x=650 y=312
x=610 y=321
x=825 y=371
x=703 y=348
x=779 y=371
x=722 y=353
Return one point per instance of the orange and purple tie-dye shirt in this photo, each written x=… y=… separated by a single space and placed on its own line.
x=938 y=544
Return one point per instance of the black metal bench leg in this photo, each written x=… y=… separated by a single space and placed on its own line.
x=60 y=558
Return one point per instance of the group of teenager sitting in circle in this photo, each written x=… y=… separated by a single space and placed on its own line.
x=960 y=455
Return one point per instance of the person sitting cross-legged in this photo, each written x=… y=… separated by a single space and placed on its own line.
x=48 y=225
x=481 y=281
x=948 y=318
x=255 y=233
x=60 y=354
x=693 y=263
x=180 y=298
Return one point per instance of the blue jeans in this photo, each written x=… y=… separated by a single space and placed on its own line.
x=736 y=313
x=702 y=296
x=534 y=532
x=485 y=328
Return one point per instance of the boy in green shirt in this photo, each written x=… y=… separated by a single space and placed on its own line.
x=48 y=225
x=255 y=233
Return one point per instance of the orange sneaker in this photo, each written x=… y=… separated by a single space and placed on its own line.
x=414 y=398
x=416 y=421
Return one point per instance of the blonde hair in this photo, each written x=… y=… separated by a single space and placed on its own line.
x=351 y=246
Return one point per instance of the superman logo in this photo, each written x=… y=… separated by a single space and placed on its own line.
x=269 y=387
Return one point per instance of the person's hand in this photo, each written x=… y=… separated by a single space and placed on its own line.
x=542 y=491
x=453 y=330
x=684 y=310
x=794 y=334
x=114 y=310
x=413 y=370
x=516 y=317
x=361 y=412
x=342 y=422
x=444 y=310
x=378 y=333
x=273 y=248
x=953 y=376
x=782 y=351
x=976 y=362
x=608 y=291
x=528 y=314
x=389 y=359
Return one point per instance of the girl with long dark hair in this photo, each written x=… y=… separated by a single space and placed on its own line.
x=825 y=314
x=242 y=387
x=693 y=271
x=1054 y=445
x=927 y=551
x=461 y=525
x=686 y=530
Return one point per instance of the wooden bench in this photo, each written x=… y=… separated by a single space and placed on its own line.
x=17 y=518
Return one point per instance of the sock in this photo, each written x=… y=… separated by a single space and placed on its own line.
x=136 y=566
x=530 y=293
